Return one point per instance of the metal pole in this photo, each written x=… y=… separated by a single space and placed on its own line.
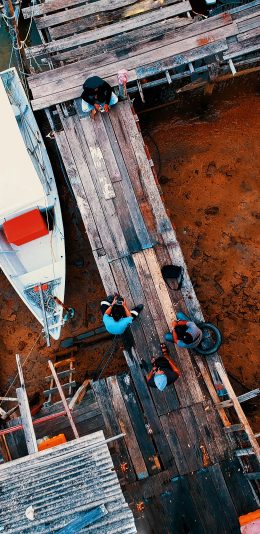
x=65 y=404
x=14 y=34
x=12 y=429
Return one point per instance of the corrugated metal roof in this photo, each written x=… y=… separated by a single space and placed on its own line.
x=61 y=482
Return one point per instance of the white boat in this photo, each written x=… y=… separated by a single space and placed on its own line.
x=32 y=249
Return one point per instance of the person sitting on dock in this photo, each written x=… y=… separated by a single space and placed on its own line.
x=185 y=333
x=116 y=315
x=164 y=371
x=97 y=96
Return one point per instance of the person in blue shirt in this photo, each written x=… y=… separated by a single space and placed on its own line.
x=116 y=315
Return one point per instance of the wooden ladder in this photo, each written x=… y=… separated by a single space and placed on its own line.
x=67 y=386
x=243 y=425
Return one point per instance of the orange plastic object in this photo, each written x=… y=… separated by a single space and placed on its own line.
x=25 y=228
x=52 y=442
x=252 y=516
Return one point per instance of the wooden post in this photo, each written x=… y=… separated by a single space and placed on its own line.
x=65 y=404
x=14 y=34
x=240 y=412
x=25 y=411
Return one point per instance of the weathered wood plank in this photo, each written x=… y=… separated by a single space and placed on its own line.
x=26 y=420
x=126 y=427
x=238 y=486
x=125 y=201
x=255 y=32
x=107 y=31
x=74 y=75
x=104 y=221
x=210 y=504
x=132 y=40
x=151 y=295
x=250 y=20
x=152 y=417
x=183 y=507
x=55 y=5
x=183 y=58
x=106 y=274
x=138 y=421
x=174 y=443
x=222 y=445
x=118 y=219
x=226 y=502
x=104 y=142
x=186 y=436
x=164 y=401
x=126 y=159
x=96 y=159
x=79 y=191
x=240 y=11
x=200 y=417
x=112 y=428
x=197 y=442
x=86 y=22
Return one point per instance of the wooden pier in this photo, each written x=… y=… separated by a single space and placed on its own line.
x=177 y=463
x=156 y=41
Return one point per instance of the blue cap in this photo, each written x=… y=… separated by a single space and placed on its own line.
x=160 y=381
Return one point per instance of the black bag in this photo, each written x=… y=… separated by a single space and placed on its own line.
x=173 y=272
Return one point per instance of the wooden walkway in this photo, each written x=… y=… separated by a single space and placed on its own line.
x=156 y=42
x=177 y=462
x=176 y=437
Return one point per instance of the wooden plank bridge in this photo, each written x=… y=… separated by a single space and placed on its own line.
x=177 y=463
x=156 y=41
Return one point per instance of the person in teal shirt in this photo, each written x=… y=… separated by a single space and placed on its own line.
x=116 y=315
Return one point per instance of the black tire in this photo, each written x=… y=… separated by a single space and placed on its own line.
x=218 y=339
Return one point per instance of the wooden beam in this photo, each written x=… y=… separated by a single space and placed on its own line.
x=86 y=22
x=126 y=426
x=25 y=411
x=241 y=415
x=26 y=418
x=79 y=394
x=56 y=5
x=108 y=31
x=65 y=404
x=253 y=476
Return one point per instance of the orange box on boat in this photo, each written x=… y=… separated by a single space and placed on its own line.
x=252 y=516
x=25 y=228
x=52 y=442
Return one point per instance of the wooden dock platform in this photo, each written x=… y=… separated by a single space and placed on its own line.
x=157 y=42
x=177 y=463
x=175 y=439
